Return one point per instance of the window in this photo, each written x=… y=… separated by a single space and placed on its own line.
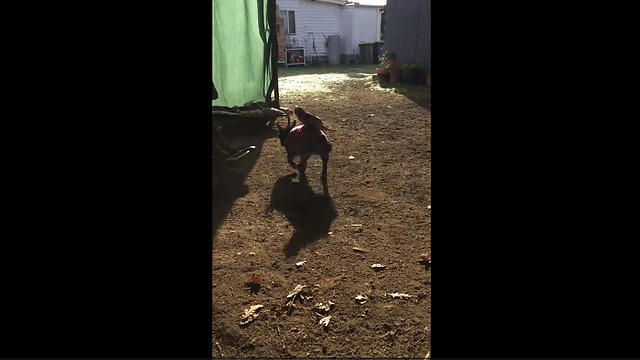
x=289 y=19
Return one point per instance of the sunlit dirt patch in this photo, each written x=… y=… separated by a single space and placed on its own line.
x=316 y=83
x=313 y=83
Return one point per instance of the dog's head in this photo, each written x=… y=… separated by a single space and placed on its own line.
x=284 y=131
x=300 y=113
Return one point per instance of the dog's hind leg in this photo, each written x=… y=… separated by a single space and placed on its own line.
x=323 y=177
x=302 y=167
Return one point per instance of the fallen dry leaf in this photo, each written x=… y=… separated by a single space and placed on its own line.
x=324 y=307
x=298 y=264
x=356 y=249
x=295 y=291
x=378 y=266
x=250 y=314
x=425 y=259
x=325 y=321
x=400 y=296
x=361 y=299
x=364 y=313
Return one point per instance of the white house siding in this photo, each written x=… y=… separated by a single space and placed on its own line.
x=363 y=25
x=314 y=20
x=347 y=31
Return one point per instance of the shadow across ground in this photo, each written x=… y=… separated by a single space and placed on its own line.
x=419 y=94
x=229 y=178
x=309 y=213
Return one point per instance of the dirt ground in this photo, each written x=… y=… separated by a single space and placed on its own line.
x=266 y=221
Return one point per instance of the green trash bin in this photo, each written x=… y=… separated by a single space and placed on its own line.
x=378 y=47
x=367 y=53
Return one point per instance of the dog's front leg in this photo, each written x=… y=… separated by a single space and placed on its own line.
x=290 y=157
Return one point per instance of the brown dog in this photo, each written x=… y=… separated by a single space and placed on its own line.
x=304 y=141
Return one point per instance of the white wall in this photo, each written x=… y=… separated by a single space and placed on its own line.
x=347 y=26
x=364 y=26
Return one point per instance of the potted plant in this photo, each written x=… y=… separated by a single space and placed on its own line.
x=396 y=73
x=412 y=74
x=386 y=61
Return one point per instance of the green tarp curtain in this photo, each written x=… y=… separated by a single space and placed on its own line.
x=241 y=52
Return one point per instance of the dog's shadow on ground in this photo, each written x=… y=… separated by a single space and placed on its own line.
x=309 y=213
